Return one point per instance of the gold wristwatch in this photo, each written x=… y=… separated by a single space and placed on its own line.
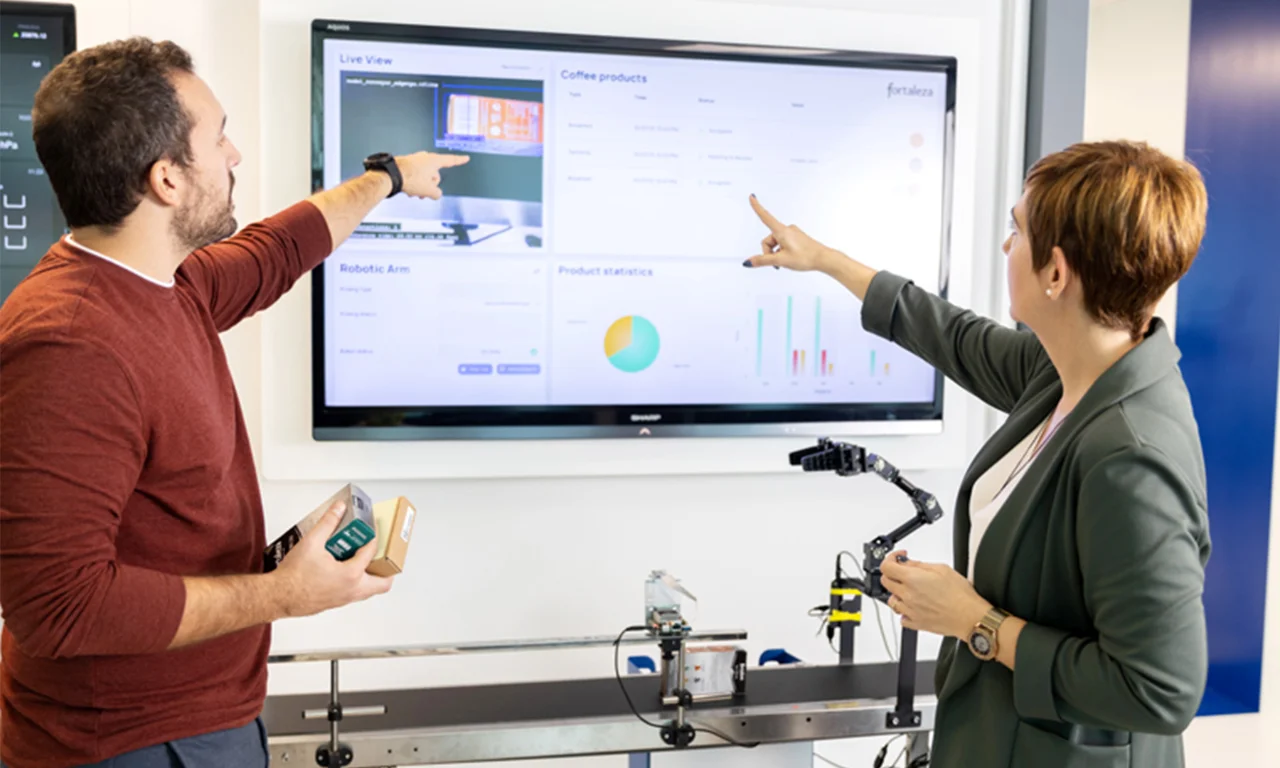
x=984 y=639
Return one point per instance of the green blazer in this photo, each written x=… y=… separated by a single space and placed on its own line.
x=1101 y=548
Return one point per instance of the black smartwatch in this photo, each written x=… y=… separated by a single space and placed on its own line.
x=387 y=164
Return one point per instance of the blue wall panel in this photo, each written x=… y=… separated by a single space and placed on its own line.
x=1228 y=324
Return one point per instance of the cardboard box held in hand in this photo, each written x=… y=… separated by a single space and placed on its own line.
x=390 y=521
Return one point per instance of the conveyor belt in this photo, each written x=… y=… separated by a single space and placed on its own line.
x=579 y=717
x=569 y=699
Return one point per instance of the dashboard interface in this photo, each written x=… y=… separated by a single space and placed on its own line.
x=582 y=276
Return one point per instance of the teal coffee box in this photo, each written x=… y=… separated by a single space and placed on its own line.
x=355 y=529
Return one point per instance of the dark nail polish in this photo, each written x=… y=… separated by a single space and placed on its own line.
x=775 y=266
x=746 y=263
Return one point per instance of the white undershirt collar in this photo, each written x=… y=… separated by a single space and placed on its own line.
x=119 y=264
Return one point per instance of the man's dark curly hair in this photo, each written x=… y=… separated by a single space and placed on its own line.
x=102 y=118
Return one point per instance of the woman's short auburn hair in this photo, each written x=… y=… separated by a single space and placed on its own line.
x=1128 y=218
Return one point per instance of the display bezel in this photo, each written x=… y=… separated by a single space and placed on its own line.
x=63 y=15
x=603 y=421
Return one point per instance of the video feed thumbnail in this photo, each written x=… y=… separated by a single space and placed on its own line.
x=496 y=198
x=492 y=125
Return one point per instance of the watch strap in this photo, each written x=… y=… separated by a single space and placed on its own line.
x=387 y=164
x=993 y=619
x=988 y=628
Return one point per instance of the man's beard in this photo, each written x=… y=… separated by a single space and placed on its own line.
x=205 y=220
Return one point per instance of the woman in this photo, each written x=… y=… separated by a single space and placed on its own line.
x=1075 y=630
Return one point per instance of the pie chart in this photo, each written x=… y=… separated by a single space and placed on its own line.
x=631 y=344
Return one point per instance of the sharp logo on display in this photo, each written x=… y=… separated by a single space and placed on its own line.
x=642 y=417
x=908 y=90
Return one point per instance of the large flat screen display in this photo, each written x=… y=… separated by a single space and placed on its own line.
x=34 y=37
x=582 y=276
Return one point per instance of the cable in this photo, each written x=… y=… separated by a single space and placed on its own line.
x=828 y=760
x=906 y=748
x=824 y=612
x=885 y=751
x=820 y=612
x=875 y=604
x=856 y=564
x=920 y=762
x=617 y=673
x=893 y=630
x=708 y=729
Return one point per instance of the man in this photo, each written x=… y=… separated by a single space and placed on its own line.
x=136 y=614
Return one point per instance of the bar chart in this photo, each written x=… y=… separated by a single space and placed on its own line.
x=803 y=344
x=784 y=327
x=878 y=369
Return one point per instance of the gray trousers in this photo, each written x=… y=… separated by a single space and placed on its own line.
x=244 y=747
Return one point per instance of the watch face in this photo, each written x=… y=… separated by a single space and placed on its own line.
x=981 y=645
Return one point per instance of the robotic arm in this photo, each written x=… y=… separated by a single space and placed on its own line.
x=848 y=460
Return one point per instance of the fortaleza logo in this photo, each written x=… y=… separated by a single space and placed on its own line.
x=908 y=90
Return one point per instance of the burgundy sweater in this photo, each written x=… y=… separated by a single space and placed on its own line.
x=125 y=465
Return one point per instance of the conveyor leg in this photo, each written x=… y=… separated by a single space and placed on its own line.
x=335 y=754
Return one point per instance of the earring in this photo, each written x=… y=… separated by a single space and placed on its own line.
x=1048 y=292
